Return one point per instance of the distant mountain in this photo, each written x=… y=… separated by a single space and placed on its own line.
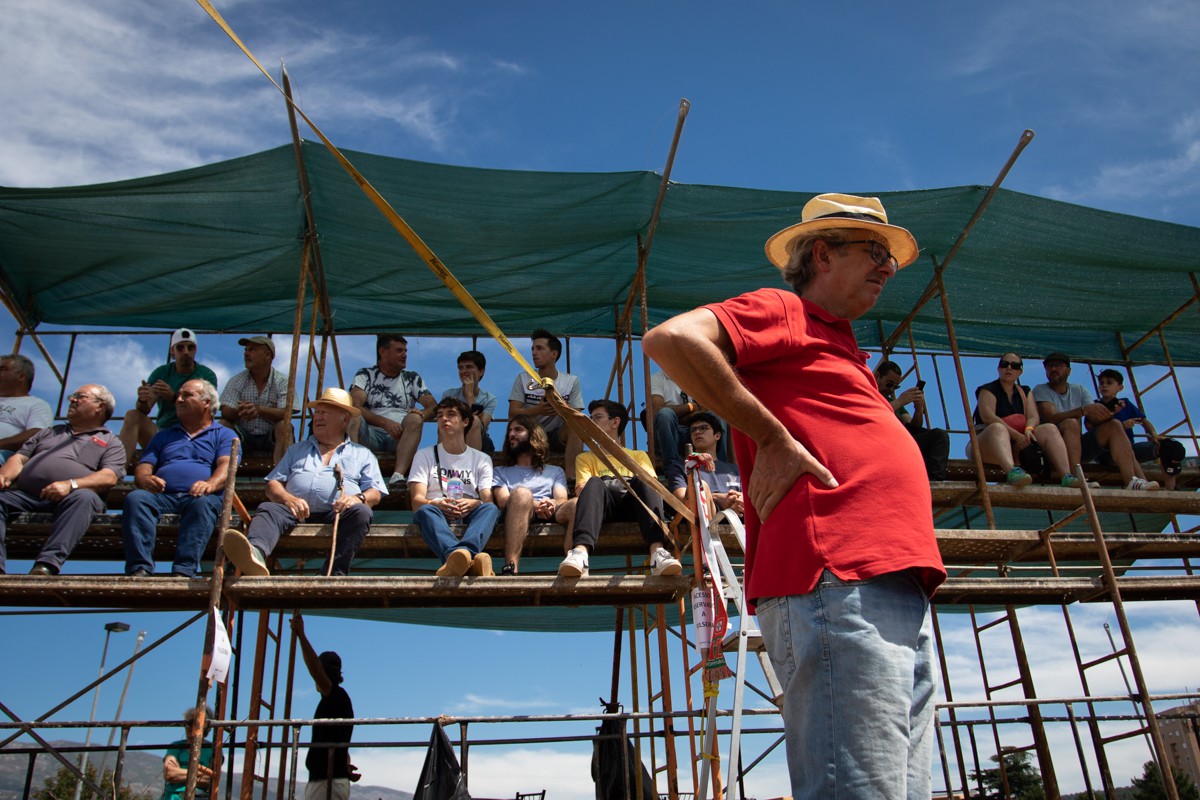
x=142 y=771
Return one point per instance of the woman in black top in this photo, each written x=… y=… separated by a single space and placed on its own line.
x=1006 y=422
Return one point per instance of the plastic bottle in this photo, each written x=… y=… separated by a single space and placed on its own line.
x=454 y=489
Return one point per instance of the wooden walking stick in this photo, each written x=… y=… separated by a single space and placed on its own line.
x=337 y=516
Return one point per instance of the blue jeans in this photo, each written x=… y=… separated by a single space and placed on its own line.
x=435 y=530
x=139 y=528
x=855 y=659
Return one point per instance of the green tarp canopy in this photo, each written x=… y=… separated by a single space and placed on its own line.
x=219 y=248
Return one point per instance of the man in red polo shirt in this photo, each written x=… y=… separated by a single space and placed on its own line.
x=841 y=558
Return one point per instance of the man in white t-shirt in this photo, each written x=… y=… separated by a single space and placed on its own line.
x=528 y=397
x=388 y=395
x=1068 y=405
x=528 y=488
x=21 y=415
x=441 y=472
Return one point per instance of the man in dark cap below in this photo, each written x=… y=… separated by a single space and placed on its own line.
x=329 y=769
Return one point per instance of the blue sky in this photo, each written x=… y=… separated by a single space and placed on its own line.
x=794 y=96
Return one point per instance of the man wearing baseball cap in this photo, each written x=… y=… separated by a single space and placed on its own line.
x=841 y=557
x=254 y=401
x=161 y=389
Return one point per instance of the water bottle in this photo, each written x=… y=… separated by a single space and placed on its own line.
x=454 y=489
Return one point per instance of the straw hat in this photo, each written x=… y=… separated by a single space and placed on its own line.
x=338 y=398
x=827 y=211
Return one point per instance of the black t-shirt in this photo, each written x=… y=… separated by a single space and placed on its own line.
x=1005 y=405
x=335 y=705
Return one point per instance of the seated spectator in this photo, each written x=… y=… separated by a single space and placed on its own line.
x=179 y=756
x=64 y=469
x=526 y=488
x=528 y=397
x=934 y=443
x=160 y=389
x=305 y=487
x=452 y=483
x=601 y=497
x=1007 y=425
x=1068 y=405
x=1168 y=451
x=471 y=366
x=671 y=409
x=388 y=395
x=182 y=471
x=254 y=402
x=21 y=414
x=725 y=482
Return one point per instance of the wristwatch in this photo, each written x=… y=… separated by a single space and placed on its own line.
x=361 y=497
x=74 y=485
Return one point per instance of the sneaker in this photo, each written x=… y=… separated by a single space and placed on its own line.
x=509 y=569
x=457 y=564
x=1137 y=484
x=1071 y=482
x=665 y=564
x=481 y=565
x=1018 y=477
x=245 y=556
x=575 y=565
x=397 y=479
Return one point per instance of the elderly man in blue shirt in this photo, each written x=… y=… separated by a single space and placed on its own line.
x=182 y=471
x=304 y=487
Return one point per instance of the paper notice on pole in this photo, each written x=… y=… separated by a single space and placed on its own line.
x=218 y=668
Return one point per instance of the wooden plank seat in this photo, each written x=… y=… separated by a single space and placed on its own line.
x=949 y=494
x=357 y=592
x=252 y=491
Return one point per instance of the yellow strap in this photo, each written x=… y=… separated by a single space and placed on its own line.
x=583 y=427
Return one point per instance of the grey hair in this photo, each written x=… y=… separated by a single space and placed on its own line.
x=799 y=271
x=189 y=716
x=106 y=397
x=24 y=366
x=209 y=393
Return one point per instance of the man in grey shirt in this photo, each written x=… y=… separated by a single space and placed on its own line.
x=64 y=469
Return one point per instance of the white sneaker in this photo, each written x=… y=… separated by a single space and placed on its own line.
x=1142 y=485
x=663 y=563
x=575 y=565
x=398 y=478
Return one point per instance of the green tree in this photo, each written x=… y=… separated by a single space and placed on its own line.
x=61 y=786
x=1150 y=785
x=1024 y=781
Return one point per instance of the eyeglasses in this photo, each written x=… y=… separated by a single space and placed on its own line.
x=1017 y=365
x=879 y=253
x=185 y=346
x=598 y=418
x=701 y=428
x=79 y=397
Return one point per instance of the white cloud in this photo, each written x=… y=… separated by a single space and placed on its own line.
x=110 y=91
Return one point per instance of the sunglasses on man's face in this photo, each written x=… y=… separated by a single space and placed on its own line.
x=1017 y=365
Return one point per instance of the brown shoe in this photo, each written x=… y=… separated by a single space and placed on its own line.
x=482 y=565
x=457 y=564
x=244 y=555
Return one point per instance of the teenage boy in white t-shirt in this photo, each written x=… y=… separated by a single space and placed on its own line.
x=435 y=472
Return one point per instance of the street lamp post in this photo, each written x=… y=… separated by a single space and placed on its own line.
x=112 y=732
x=109 y=630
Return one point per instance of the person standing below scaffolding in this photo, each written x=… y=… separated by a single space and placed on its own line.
x=329 y=769
x=179 y=754
x=841 y=558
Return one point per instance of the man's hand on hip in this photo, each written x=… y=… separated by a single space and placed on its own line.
x=777 y=466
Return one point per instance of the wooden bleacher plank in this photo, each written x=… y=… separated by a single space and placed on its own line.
x=181 y=594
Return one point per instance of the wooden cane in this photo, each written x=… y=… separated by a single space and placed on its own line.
x=337 y=516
